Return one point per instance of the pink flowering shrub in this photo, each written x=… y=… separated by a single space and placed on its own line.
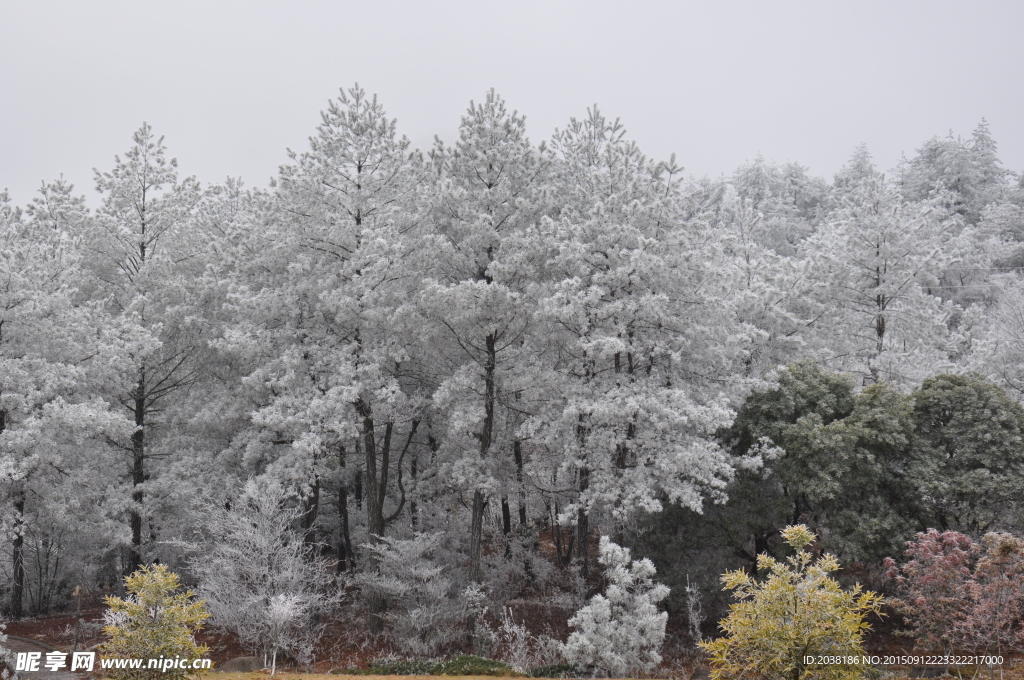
x=997 y=595
x=959 y=596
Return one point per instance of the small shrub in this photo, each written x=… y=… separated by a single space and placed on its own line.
x=997 y=593
x=408 y=667
x=513 y=643
x=474 y=665
x=933 y=586
x=154 y=620
x=459 y=665
x=620 y=632
x=6 y=657
x=258 y=576
x=962 y=597
x=401 y=667
x=797 y=611
x=352 y=671
x=694 y=612
x=424 y=610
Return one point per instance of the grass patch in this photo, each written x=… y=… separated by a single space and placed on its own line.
x=463 y=665
x=337 y=675
x=340 y=675
x=557 y=670
x=391 y=667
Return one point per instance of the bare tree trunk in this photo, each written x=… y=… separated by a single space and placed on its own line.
x=377 y=472
x=375 y=484
x=346 y=558
x=413 y=508
x=561 y=540
x=582 y=529
x=485 y=436
x=359 y=486
x=18 y=554
x=138 y=474
x=311 y=510
x=506 y=525
x=375 y=487
x=517 y=454
x=476 y=536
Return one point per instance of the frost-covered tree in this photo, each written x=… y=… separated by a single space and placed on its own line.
x=59 y=208
x=765 y=291
x=874 y=259
x=997 y=350
x=414 y=350
x=284 y=626
x=787 y=200
x=144 y=249
x=625 y=310
x=965 y=175
x=424 y=607
x=324 y=331
x=621 y=632
x=858 y=169
x=58 y=355
x=256 y=573
x=488 y=192
x=6 y=656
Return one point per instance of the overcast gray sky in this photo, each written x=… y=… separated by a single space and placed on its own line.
x=232 y=84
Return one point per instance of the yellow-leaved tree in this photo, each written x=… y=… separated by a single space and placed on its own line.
x=154 y=621
x=785 y=623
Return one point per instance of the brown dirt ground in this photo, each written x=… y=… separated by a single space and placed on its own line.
x=345 y=646
x=59 y=630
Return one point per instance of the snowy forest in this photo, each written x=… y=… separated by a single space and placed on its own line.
x=443 y=399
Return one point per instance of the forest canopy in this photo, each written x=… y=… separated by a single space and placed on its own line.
x=475 y=360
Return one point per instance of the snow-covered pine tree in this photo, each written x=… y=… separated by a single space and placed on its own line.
x=873 y=261
x=621 y=632
x=626 y=315
x=423 y=607
x=490 y=189
x=144 y=248
x=256 y=573
x=58 y=354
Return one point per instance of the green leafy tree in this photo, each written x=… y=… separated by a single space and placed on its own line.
x=767 y=497
x=863 y=466
x=968 y=452
x=154 y=620
x=798 y=611
x=867 y=499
